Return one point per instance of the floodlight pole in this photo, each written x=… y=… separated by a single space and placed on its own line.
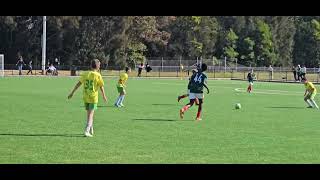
x=44 y=44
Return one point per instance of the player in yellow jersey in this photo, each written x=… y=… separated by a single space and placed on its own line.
x=92 y=81
x=310 y=93
x=121 y=88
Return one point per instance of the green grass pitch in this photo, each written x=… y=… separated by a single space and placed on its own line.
x=39 y=124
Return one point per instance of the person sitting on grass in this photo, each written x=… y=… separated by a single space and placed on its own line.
x=51 y=70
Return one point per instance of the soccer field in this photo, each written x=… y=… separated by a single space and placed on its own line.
x=39 y=124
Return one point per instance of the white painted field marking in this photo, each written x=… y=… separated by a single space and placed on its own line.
x=274 y=92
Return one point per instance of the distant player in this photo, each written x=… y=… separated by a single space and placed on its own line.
x=121 y=88
x=140 y=67
x=250 y=77
x=194 y=71
x=310 y=93
x=20 y=64
x=92 y=81
x=30 y=67
x=198 y=81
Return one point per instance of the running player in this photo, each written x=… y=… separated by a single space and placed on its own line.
x=197 y=82
x=188 y=92
x=120 y=86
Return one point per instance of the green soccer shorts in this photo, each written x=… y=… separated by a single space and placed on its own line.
x=311 y=95
x=121 y=89
x=91 y=106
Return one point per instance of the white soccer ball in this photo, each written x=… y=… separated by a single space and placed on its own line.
x=238 y=106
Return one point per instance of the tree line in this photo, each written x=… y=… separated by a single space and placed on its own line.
x=120 y=41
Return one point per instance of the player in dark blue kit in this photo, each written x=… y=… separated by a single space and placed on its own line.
x=197 y=82
x=186 y=95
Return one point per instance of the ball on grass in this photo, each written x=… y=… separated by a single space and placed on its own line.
x=238 y=106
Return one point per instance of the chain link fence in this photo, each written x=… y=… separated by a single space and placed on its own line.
x=180 y=68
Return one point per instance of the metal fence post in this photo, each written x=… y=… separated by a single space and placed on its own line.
x=162 y=64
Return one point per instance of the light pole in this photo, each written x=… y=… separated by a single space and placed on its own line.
x=44 y=44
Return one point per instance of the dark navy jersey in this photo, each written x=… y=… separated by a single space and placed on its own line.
x=197 y=81
x=250 y=77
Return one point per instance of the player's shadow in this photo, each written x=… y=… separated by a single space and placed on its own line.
x=102 y=106
x=285 y=107
x=41 y=135
x=165 y=104
x=157 y=119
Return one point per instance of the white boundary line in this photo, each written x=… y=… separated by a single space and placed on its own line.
x=273 y=92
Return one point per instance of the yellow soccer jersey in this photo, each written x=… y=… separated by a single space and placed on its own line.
x=309 y=87
x=92 y=81
x=123 y=79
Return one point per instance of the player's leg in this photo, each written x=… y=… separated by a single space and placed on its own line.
x=192 y=98
x=314 y=104
x=122 y=95
x=249 y=89
x=117 y=103
x=182 y=96
x=199 y=109
x=306 y=99
x=197 y=101
x=90 y=112
x=20 y=70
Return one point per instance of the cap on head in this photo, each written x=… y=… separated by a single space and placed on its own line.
x=304 y=79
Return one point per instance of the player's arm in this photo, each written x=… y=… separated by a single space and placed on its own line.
x=103 y=93
x=204 y=85
x=74 y=89
x=305 y=93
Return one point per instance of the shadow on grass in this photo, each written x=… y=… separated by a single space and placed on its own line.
x=284 y=107
x=42 y=135
x=158 y=119
x=102 y=106
x=166 y=104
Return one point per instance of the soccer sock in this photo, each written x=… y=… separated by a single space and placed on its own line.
x=122 y=98
x=118 y=100
x=314 y=103
x=89 y=125
x=198 y=114
x=91 y=129
x=87 y=129
x=186 y=107
x=309 y=103
x=199 y=111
